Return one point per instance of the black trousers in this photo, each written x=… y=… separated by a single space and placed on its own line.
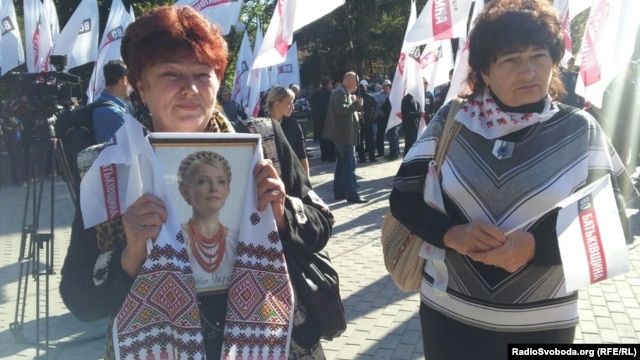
x=367 y=147
x=381 y=121
x=327 y=150
x=447 y=339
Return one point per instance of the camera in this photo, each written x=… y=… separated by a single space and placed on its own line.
x=48 y=93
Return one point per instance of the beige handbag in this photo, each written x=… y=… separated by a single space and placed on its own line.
x=400 y=248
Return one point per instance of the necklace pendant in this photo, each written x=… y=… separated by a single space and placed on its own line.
x=503 y=149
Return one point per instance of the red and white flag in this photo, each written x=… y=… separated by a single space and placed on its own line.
x=240 y=91
x=109 y=48
x=289 y=16
x=32 y=21
x=37 y=37
x=79 y=37
x=607 y=46
x=48 y=29
x=590 y=236
x=11 y=51
x=568 y=9
x=224 y=13
x=564 y=11
x=408 y=77
x=440 y=20
x=436 y=62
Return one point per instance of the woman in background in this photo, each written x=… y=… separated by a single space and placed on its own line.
x=280 y=107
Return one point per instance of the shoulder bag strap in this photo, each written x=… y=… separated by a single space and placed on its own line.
x=449 y=132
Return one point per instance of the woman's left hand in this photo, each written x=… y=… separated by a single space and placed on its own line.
x=270 y=190
x=513 y=254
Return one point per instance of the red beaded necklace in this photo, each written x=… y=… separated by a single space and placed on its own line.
x=209 y=252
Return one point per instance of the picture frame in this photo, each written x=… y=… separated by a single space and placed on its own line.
x=193 y=165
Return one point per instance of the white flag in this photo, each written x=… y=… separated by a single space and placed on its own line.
x=289 y=70
x=240 y=91
x=408 y=77
x=440 y=20
x=11 y=51
x=289 y=16
x=109 y=48
x=606 y=46
x=265 y=82
x=273 y=75
x=224 y=13
x=590 y=236
x=79 y=38
x=49 y=9
x=461 y=67
x=253 y=81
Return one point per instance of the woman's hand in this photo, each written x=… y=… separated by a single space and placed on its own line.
x=476 y=236
x=270 y=190
x=516 y=252
x=142 y=221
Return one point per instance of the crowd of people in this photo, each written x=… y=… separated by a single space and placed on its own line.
x=12 y=130
x=508 y=288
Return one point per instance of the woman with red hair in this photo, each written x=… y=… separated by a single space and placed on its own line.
x=176 y=59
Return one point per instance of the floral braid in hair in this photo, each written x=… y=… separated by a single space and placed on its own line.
x=201 y=157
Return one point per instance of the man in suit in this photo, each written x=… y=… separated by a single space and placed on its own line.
x=319 y=107
x=440 y=93
x=341 y=127
x=367 y=119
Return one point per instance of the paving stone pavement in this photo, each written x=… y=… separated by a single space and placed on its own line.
x=383 y=322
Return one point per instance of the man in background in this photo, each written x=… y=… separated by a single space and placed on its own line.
x=429 y=102
x=108 y=119
x=232 y=109
x=441 y=91
x=367 y=119
x=342 y=128
x=411 y=114
x=319 y=106
x=569 y=80
x=381 y=118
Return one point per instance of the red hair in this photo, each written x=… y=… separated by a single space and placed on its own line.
x=162 y=32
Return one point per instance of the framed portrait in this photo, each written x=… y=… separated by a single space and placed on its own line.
x=207 y=175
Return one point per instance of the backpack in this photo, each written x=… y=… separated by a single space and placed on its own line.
x=75 y=130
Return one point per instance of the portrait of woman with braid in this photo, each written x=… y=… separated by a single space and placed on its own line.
x=204 y=181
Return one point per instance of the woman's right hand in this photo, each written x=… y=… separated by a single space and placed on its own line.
x=142 y=221
x=476 y=236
